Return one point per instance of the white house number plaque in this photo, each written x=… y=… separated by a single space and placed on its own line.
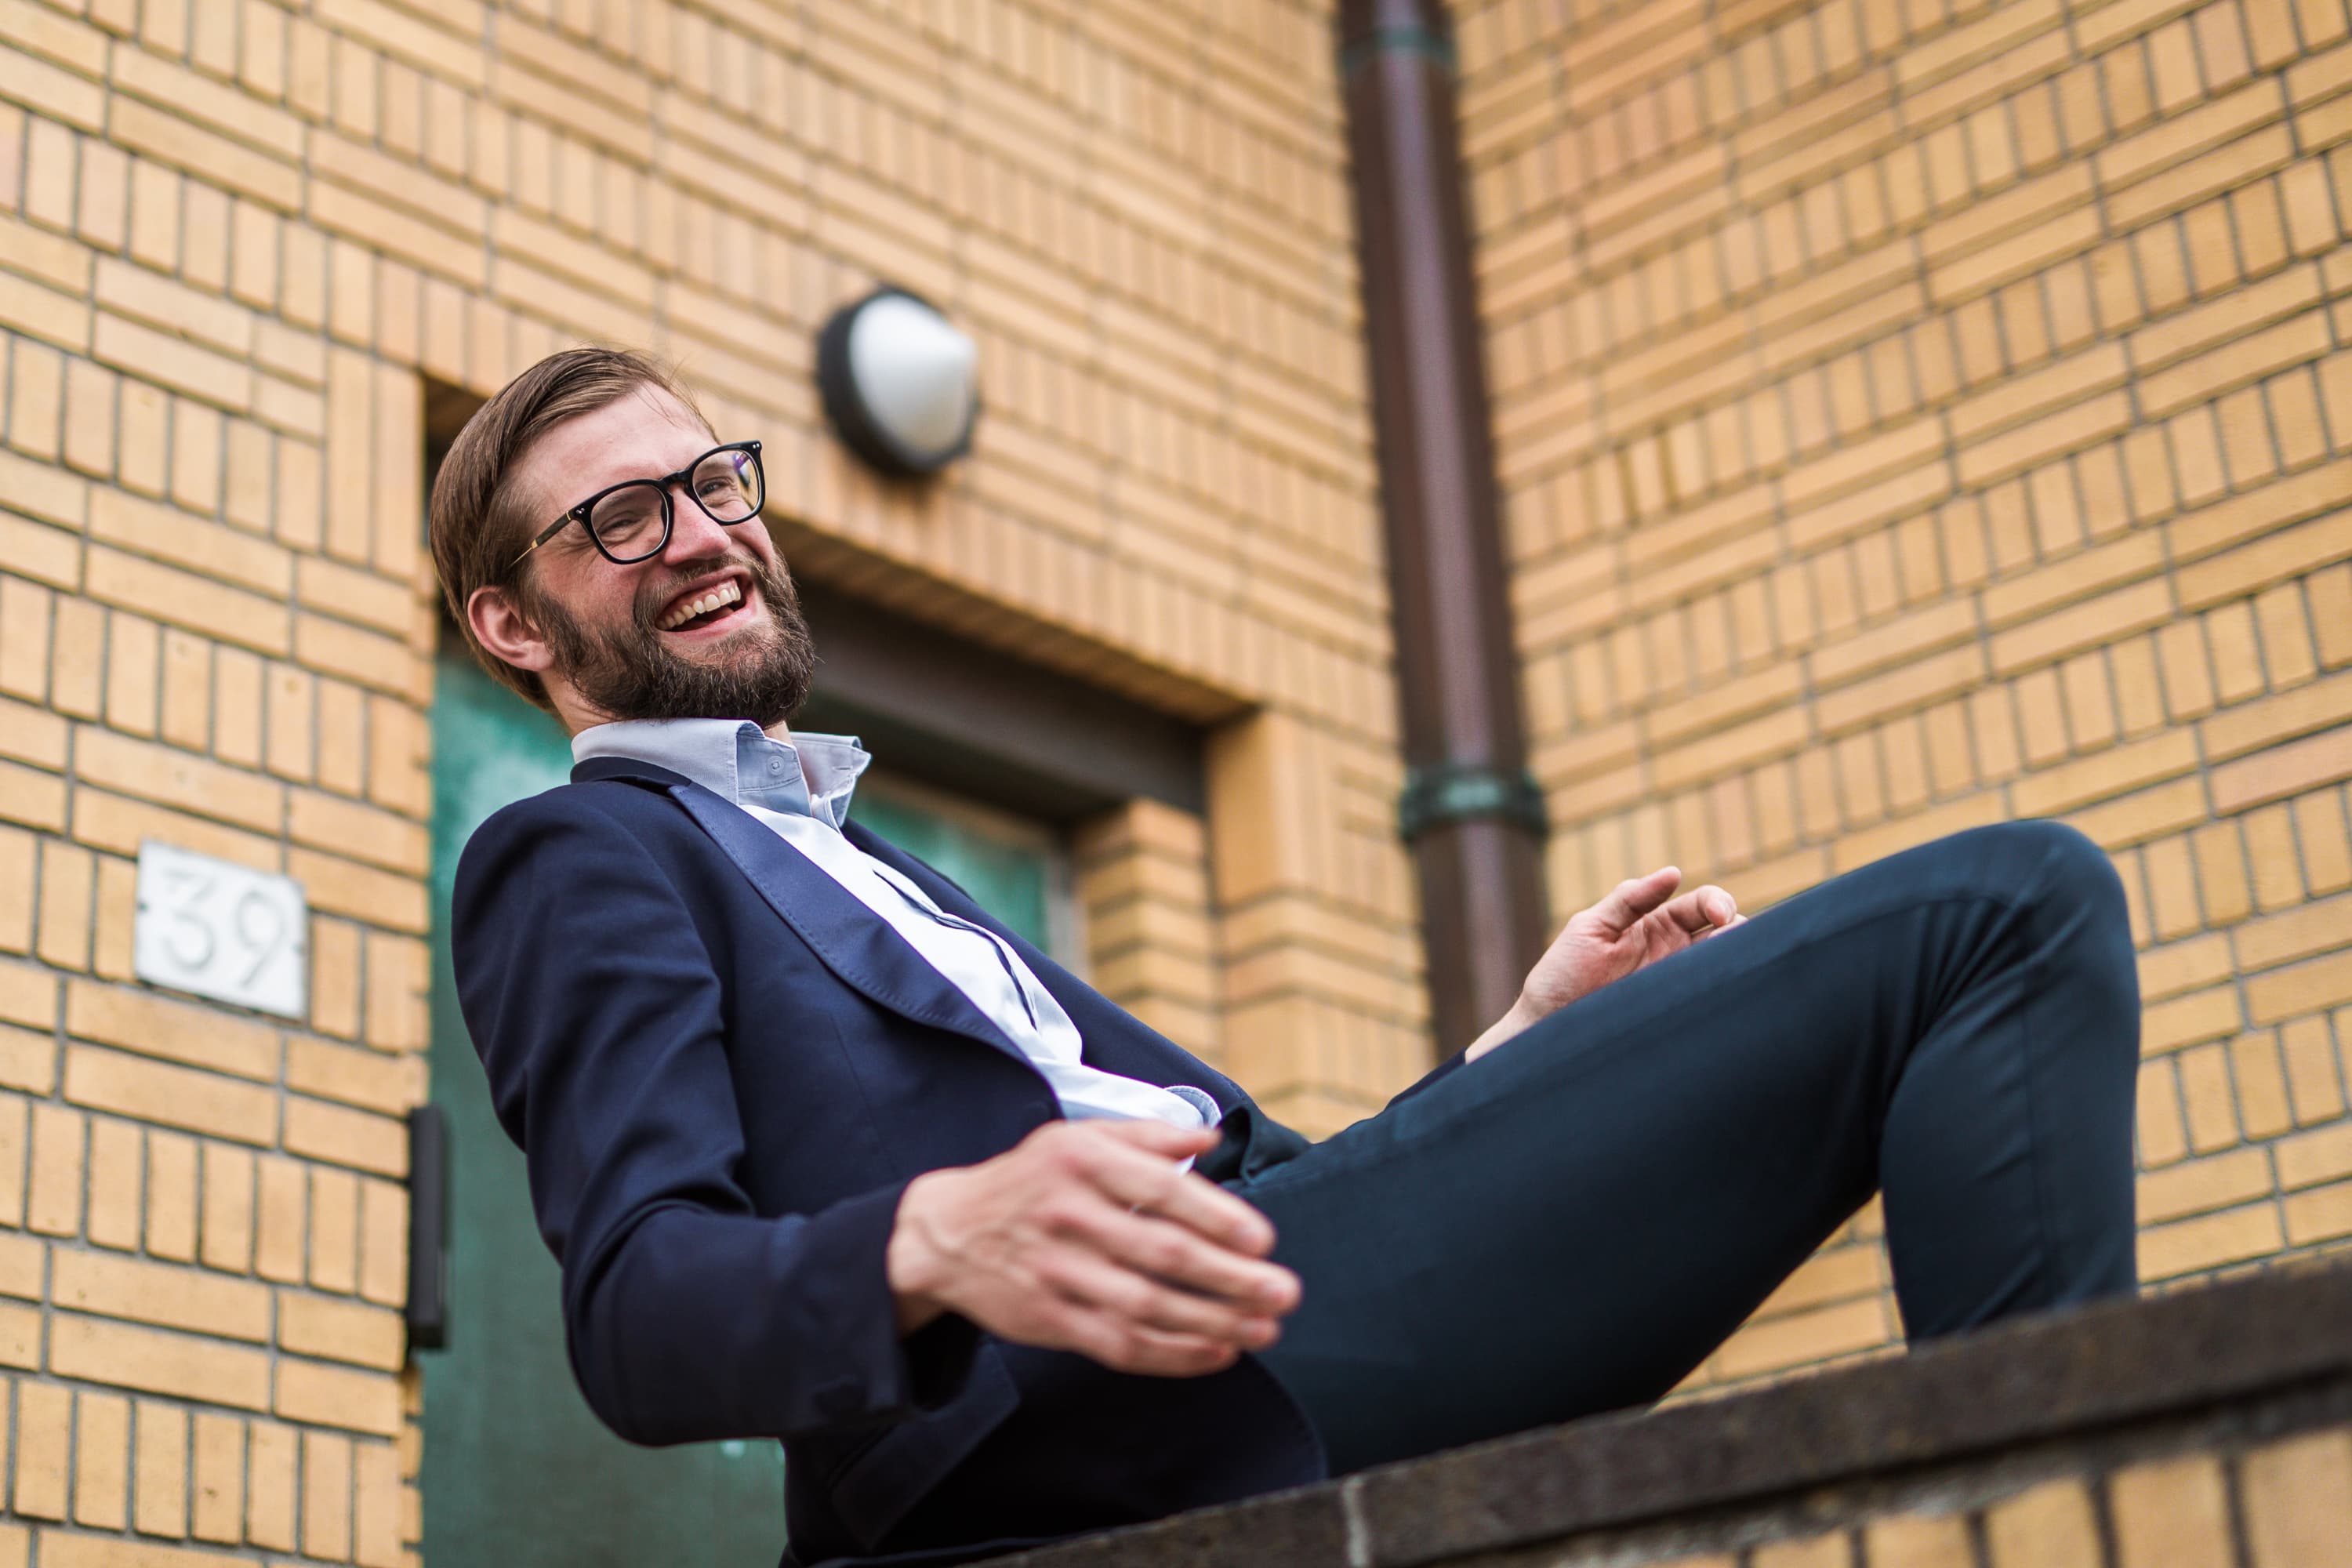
x=220 y=929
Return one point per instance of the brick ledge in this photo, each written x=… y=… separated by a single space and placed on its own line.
x=2025 y=1383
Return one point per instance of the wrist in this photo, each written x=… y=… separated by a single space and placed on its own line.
x=910 y=1262
x=1521 y=1014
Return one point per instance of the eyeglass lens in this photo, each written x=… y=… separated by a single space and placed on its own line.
x=633 y=522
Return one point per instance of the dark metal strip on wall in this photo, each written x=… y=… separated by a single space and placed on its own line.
x=1471 y=812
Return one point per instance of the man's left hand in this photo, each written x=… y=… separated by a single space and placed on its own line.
x=1636 y=925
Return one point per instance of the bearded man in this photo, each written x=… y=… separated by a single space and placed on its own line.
x=828 y=1155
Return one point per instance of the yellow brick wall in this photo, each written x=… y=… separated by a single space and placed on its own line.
x=238 y=239
x=2293 y=1508
x=1915 y=415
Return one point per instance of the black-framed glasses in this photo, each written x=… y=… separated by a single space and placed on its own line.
x=631 y=521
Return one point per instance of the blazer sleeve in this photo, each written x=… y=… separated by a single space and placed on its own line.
x=595 y=1009
x=1450 y=1066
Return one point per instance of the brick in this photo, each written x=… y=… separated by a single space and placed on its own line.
x=2305 y=987
x=2200 y=1186
x=155 y=1362
x=361 y=832
x=1802 y=1336
x=2072 y=428
x=1918 y=1540
x=344 y=1136
x=325 y=1395
x=335 y=1330
x=366 y=1078
x=2067 y=383
x=164 y=533
x=269 y=1485
x=2185 y=1020
x=66 y=897
x=44 y=1419
x=184 y=367
x=376 y=1506
x=2313 y=1086
x=326 y=1495
x=2324 y=1214
x=23 y=1267
x=14 y=1142
x=2310 y=1158
x=1915 y=685
x=2050 y=1524
x=177 y=1097
x=53 y=1197
x=2277 y=718
x=2263 y=1107
x=20 y=1336
x=18 y=855
x=2297 y=1496
x=384 y=1242
x=402 y=184
x=2162 y=146
x=51 y=91
x=2269 y=561
x=2209 y=1241
x=61 y=1551
x=182 y=599
x=333 y=1250
x=365 y=657
x=217 y=1478
x=112 y=1219
x=45 y=492
x=159 y=1469
x=200 y=1037
x=2298 y=932
x=1830 y=1550
x=102 y=1461
x=2063 y=788
x=161 y=1294
x=170 y=1210
x=281 y=1219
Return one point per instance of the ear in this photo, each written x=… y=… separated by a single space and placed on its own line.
x=505 y=632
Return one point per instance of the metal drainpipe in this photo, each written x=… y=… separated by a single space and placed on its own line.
x=1471 y=812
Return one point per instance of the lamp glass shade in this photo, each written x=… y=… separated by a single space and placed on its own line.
x=913 y=372
x=900 y=383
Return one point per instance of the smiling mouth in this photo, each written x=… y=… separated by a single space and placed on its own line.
x=704 y=609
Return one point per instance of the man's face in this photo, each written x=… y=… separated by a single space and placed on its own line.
x=618 y=641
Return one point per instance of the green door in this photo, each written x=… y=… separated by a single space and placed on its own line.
x=517 y=1472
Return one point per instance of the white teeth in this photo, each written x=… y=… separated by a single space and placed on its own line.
x=724 y=594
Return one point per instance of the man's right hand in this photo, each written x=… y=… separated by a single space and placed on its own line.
x=1084 y=1237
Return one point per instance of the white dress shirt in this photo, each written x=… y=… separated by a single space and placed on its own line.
x=801 y=790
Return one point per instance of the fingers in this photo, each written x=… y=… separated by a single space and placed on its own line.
x=1631 y=900
x=1182 y=1257
x=1147 y=1303
x=1159 y=1137
x=1703 y=911
x=1127 y=1347
x=1140 y=1181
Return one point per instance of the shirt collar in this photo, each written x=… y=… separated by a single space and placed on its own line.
x=810 y=775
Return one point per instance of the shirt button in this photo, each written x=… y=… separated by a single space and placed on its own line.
x=775 y=765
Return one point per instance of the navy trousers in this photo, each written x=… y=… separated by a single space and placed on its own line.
x=1571 y=1223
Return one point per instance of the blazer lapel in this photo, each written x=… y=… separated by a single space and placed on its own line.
x=857 y=945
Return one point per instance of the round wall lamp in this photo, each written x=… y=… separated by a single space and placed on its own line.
x=899 y=383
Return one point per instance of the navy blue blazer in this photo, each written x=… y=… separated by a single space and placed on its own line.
x=723 y=1071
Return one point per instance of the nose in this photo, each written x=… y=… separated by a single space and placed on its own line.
x=694 y=533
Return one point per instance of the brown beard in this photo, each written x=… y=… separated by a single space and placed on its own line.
x=630 y=673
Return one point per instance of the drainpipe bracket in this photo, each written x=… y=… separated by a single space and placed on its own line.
x=1427 y=42
x=1439 y=794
